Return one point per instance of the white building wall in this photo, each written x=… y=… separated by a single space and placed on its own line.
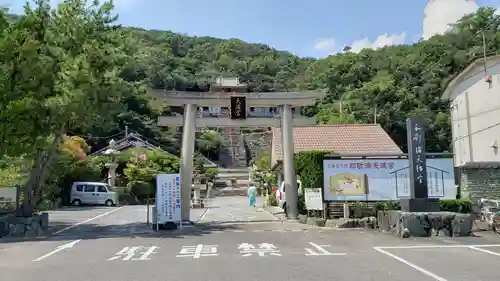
x=475 y=114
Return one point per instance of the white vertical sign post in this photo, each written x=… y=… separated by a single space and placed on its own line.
x=168 y=199
x=313 y=199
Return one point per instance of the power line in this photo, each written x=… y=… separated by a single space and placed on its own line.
x=96 y=138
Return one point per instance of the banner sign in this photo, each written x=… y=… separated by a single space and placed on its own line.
x=168 y=198
x=384 y=179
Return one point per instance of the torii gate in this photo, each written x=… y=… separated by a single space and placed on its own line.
x=238 y=103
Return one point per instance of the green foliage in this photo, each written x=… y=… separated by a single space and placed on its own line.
x=309 y=167
x=272 y=201
x=209 y=142
x=210 y=174
x=458 y=206
x=263 y=161
x=141 y=189
x=370 y=209
x=145 y=171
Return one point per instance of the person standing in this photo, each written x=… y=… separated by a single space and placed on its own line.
x=252 y=194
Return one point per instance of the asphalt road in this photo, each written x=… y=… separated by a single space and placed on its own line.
x=115 y=244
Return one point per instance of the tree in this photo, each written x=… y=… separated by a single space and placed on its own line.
x=60 y=68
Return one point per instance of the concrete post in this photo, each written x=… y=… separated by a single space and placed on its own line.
x=346 y=211
x=288 y=151
x=187 y=153
x=196 y=197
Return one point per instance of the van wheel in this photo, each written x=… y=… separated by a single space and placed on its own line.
x=285 y=209
x=109 y=203
x=76 y=202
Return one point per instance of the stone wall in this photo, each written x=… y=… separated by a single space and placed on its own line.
x=478 y=183
x=12 y=226
x=406 y=224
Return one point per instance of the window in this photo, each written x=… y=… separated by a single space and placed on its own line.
x=101 y=188
x=89 y=188
x=79 y=188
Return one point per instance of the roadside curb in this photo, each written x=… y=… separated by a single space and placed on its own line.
x=276 y=212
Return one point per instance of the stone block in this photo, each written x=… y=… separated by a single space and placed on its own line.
x=424 y=224
x=368 y=222
x=44 y=221
x=349 y=223
x=153 y=216
x=331 y=223
x=316 y=221
x=303 y=218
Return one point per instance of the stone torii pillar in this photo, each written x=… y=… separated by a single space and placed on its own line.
x=186 y=161
x=292 y=194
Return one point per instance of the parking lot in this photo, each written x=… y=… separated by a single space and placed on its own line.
x=115 y=244
x=449 y=262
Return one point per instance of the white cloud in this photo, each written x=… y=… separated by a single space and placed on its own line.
x=325 y=45
x=439 y=14
x=381 y=41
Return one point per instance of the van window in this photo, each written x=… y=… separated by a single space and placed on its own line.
x=79 y=188
x=101 y=188
x=89 y=188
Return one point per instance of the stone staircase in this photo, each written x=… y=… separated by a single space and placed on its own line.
x=232 y=182
x=234 y=153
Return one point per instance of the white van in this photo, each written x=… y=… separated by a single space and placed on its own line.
x=280 y=194
x=93 y=193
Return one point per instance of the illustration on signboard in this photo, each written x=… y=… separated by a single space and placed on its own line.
x=348 y=184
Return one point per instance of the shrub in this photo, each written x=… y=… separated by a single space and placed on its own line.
x=368 y=209
x=301 y=206
x=142 y=190
x=272 y=201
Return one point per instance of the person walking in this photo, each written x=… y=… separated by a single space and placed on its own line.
x=252 y=194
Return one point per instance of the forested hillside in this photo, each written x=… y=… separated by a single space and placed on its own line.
x=399 y=81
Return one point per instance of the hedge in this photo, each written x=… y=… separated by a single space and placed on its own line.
x=365 y=209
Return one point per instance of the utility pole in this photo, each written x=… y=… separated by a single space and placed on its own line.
x=375 y=114
x=484 y=53
x=126 y=131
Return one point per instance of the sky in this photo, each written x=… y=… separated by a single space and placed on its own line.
x=313 y=28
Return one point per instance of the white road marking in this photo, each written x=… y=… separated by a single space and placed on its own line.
x=198 y=251
x=86 y=221
x=204 y=214
x=58 y=249
x=412 y=265
x=128 y=253
x=484 y=251
x=436 y=246
x=320 y=251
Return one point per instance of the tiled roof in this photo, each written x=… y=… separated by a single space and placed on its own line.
x=341 y=139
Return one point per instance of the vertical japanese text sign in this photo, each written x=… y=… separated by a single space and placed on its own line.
x=168 y=199
x=417 y=158
x=238 y=108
